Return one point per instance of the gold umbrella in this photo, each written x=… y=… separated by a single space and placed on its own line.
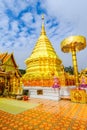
x=73 y=44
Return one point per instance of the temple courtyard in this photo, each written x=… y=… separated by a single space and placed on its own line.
x=42 y=114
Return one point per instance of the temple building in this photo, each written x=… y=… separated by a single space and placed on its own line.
x=10 y=77
x=42 y=66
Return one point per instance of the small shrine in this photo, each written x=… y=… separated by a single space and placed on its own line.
x=10 y=77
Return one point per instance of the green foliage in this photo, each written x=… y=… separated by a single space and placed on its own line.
x=22 y=71
x=25 y=92
x=69 y=70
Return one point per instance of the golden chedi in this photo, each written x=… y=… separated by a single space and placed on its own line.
x=43 y=64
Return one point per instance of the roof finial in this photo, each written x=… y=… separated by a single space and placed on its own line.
x=43 y=29
x=42 y=18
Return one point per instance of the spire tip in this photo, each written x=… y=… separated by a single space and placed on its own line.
x=43 y=29
x=42 y=16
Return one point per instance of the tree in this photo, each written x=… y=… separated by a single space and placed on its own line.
x=69 y=70
x=22 y=71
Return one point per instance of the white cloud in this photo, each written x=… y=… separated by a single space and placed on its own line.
x=14 y=5
x=27 y=18
x=74 y=13
x=14 y=37
x=14 y=25
x=4 y=20
x=66 y=10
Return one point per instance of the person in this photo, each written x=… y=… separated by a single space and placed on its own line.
x=56 y=83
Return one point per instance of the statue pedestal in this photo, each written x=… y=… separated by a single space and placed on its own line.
x=43 y=92
x=65 y=90
x=79 y=96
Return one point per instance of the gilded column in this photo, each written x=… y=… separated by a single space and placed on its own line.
x=75 y=66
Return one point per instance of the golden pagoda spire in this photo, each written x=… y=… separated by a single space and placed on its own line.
x=43 y=28
x=43 y=62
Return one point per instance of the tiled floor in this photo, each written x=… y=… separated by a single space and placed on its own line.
x=49 y=115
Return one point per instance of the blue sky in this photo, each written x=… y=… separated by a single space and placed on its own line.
x=20 y=26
